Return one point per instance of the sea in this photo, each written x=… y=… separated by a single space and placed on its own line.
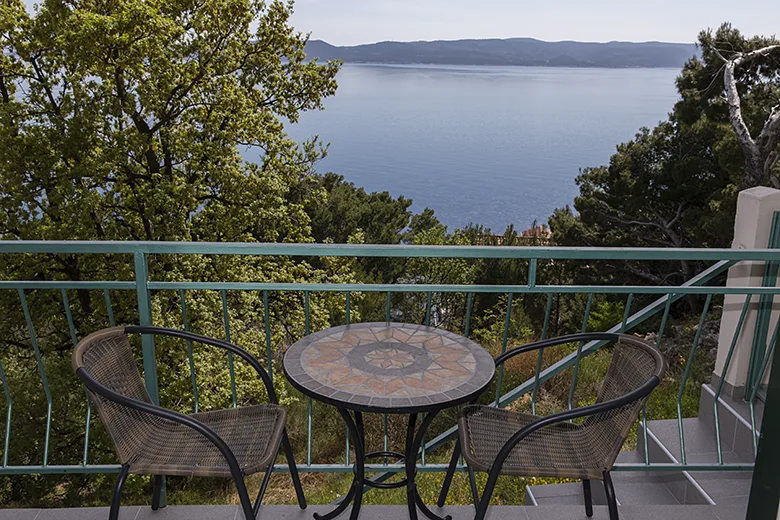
x=485 y=145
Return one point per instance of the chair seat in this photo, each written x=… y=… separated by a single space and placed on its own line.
x=253 y=434
x=563 y=450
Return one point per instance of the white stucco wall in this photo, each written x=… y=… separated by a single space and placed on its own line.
x=752 y=227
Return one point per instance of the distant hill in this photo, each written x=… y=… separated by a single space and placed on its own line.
x=512 y=51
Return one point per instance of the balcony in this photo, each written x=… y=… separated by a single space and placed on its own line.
x=692 y=455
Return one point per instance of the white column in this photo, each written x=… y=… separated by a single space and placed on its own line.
x=752 y=226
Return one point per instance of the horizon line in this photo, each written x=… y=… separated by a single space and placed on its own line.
x=499 y=39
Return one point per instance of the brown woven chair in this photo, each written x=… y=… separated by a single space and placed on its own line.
x=504 y=442
x=151 y=440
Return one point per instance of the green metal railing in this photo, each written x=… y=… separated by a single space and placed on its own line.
x=144 y=287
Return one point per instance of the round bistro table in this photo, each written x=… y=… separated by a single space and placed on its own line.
x=394 y=368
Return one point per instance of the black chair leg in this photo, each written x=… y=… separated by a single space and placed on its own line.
x=609 y=489
x=243 y=497
x=450 y=473
x=293 y=470
x=588 y=498
x=156 y=491
x=116 y=497
x=473 y=486
x=264 y=484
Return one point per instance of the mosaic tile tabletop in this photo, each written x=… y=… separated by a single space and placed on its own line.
x=389 y=366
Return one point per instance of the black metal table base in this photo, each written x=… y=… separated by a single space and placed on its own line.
x=413 y=442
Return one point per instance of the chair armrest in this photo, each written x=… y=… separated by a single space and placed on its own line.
x=640 y=393
x=170 y=415
x=560 y=340
x=246 y=356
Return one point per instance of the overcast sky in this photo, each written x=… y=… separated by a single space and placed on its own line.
x=350 y=22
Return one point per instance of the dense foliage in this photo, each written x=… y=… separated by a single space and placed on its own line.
x=124 y=120
x=674 y=185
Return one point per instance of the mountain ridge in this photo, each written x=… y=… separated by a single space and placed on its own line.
x=522 y=51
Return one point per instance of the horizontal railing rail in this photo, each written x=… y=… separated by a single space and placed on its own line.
x=384 y=250
x=143 y=286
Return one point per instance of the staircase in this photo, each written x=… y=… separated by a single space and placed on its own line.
x=663 y=446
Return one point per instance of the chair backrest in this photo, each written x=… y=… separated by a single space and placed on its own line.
x=107 y=357
x=634 y=362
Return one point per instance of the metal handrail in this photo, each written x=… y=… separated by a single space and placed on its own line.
x=142 y=285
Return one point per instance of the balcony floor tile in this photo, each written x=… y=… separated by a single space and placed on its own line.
x=393 y=512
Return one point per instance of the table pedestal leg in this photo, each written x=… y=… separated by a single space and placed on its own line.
x=355 y=494
x=341 y=507
x=413 y=443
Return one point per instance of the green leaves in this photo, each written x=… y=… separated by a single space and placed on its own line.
x=127 y=120
x=141 y=109
x=674 y=185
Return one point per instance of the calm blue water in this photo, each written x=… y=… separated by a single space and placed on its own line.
x=490 y=145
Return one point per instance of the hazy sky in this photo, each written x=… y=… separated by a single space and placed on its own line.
x=349 y=22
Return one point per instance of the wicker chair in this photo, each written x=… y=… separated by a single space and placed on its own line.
x=150 y=440
x=504 y=442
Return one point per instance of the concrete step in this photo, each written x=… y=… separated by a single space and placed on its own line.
x=712 y=487
x=680 y=487
x=735 y=422
x=631 y=488
x=700 y=442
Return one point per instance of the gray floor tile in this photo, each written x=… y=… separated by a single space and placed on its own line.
x=566 y=512
x=189 y=513
x=721 y=487
x=19 y=514
x=387 y=513
x=699 y=438
x=644 y=494
x=731 y=511
x=678 y=486
x=711 y=457
x=564 y=500
x=557 y=490
x=494 y=513
x=87 y=513
x=396 y=512
x=667 y=512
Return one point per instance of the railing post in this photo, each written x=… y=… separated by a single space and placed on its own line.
x=145 y=318
x=764 y=491
x=147 y=340
x=765 y=306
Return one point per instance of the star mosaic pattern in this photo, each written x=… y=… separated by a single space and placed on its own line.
x=388 y=365
x=388 y=358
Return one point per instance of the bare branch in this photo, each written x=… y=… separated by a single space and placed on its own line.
x=735 y=106
x=741 y=58
x=758 y=152
x=677 y=216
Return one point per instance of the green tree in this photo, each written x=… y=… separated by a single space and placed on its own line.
x=447 y=310
x=348 y=208
x=378 y=217
x=746 y=70
x=124 y=120
x=674 y=185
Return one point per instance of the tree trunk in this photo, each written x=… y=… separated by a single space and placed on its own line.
x=755 y=173
x=693 y=300
x=760 y=153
